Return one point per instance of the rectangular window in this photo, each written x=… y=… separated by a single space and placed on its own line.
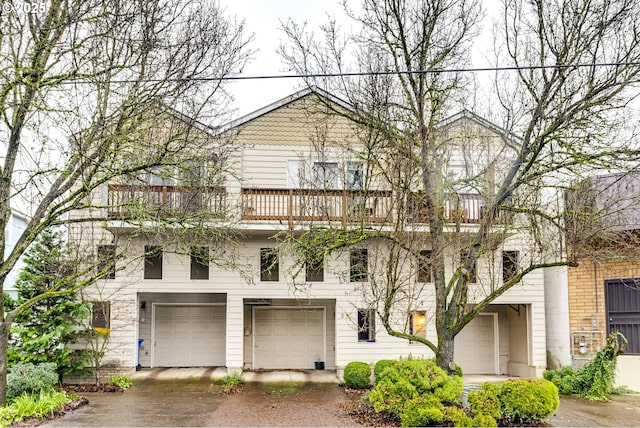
x=199 y=262
x=107 y=261
x=314 y=269
x=473 y=275
x=152 y=262
x=354 y=177
x=101 y=316
x=359 y=265
x=269 y=265
x=425 y=268
x=418 y=324
x=326 y=175
x=366 y=325
x=509 y=264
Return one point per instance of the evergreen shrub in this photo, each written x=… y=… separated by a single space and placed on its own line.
x=357 y=375
x=31 y=379
x=529 y=399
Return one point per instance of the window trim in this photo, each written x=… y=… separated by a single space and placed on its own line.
x=269 y=265
x=153 y=254
x=425 y=266
x=106 y=255
x=366 y=325
x=199 y=262
x=358 y=259
x=312 y=267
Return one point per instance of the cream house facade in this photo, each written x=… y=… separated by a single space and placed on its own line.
x=256 y=307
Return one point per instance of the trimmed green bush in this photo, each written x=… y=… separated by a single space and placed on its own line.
x=121 y=381
x=529 y=399
x=455 y=416
x=410 y=379
x=380 y=367
x=31 y=379
x=486 y=401
x=484 y=421
x=357 y=375
x=422 y=411
x=562 y=378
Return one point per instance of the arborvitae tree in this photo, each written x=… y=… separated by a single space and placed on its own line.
x=44 y=331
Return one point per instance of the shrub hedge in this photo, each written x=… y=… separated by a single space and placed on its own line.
x=357 y=375
x=31 y=379
x=529 y=399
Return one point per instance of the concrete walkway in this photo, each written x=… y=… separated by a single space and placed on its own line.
x=214 y=373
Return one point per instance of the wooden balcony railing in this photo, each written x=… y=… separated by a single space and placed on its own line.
x=165 y=201
x=292 y=205
x=459 y=208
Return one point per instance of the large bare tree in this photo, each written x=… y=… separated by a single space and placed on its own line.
x=572 y=69
x=93 y=92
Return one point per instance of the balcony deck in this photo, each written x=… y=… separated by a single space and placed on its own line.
x=284 y=205
x=126 y=200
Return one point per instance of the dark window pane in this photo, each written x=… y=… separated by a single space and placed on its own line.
x=107 y=261
x=359 y=265
x=152 y=262
x=315 y=270
x=269 y=266
x=199 y=262
x=425 y=269
x=366 y=325
x=509 y=264
x=100 y=314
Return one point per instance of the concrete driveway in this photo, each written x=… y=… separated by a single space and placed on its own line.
x=188 y=397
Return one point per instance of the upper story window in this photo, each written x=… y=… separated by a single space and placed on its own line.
x=314 y=269
x=152 y=262
x=326 y=175
x=425 y=267
x=358 y=265
x=509 y=264
x=269 y=265
x=199 y=262
x=107 y=261
x=354 y=176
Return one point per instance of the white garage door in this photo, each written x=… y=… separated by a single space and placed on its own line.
x=288 y=338
x=475 y=346
x=189 y=336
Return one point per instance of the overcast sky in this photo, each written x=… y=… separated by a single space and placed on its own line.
x=262 y=17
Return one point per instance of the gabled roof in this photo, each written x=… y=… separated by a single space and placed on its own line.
x=466 y=114
x=283 y=102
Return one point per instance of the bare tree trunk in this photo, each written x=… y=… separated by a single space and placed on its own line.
x=4 y=346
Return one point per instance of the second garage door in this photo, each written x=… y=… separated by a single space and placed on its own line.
x=189 y=336
x=288 y=338
x=475 y=346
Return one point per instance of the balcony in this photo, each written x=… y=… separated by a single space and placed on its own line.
x=294 y=205
x=126 y=200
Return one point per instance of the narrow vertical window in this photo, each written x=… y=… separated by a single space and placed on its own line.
x=418 y=324
x=199 y=262
x=107 y=261
x=509 y=265
x=269 y=265
x=314 y=269
x=425 y=267
x=366 y=325
x=152 y=262
x=358 y=265
x=101 y=316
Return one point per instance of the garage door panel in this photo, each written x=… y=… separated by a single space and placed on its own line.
x=189 y=336
x=288 y=338
x=475 y=346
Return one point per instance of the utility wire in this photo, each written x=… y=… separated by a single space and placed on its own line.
x=385 y=73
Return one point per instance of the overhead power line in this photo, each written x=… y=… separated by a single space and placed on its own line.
x=389 y=72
